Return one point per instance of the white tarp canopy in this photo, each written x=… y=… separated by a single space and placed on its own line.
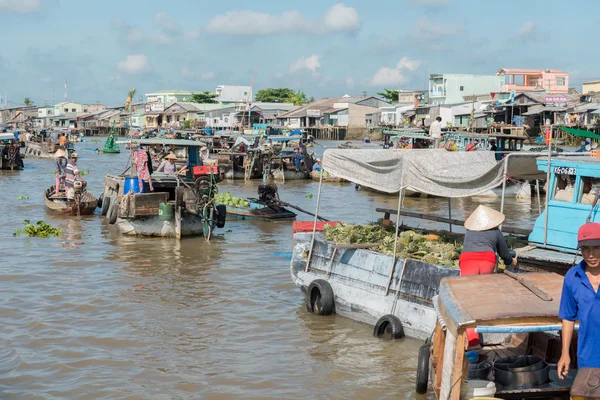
x=436 y=172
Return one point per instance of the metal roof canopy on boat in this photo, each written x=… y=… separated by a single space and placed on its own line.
x=7 y=136
x=579 y=132
x=164 y=142
x=436 y=172
x=468 y=302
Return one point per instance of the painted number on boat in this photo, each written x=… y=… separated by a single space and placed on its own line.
x=565 y=170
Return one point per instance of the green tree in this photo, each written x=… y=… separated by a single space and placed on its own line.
x=298 y=98
x=205 y=97
x=390 y=95
x=274 y=95
x=27 y=101
x=282 y=95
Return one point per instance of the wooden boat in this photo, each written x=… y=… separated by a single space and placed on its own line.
x=180 y=205
x=364 y=285
x=316 y=176
x=10 y=153
x=257 y=210
x=492 y=306
x=84 y=203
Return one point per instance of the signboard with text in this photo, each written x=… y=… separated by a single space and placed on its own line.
x=155 y=107
x=313 y=113
x=555 y=99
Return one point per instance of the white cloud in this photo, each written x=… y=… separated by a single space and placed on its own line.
x=190 y=74
x=20 y=6
x=311 y=63
x=340 y=18
x=161 y=39
x=191 y=34
x=245 y=22
x=409 y=64
x=427 y=29
x=278 y=75
x=165 y=22
x=349 y=82
x=395 y=76
x=527 y=30
x=427 y=3
x=135 y=64
x=388 y=76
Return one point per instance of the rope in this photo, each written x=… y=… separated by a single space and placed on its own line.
x=594 y=204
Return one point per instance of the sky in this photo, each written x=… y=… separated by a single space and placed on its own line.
x=324 y=48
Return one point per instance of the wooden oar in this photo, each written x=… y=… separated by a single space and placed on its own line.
x=284 y=204
x=534 y=289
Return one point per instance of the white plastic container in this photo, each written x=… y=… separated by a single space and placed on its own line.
x=474 y=388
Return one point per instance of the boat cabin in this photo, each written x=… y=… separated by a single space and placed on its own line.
x=504 y=143
x=389 y=136
x=477 y=335
x=10 y=152
x=572 y=190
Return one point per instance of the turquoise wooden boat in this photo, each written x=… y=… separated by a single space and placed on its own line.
x=573 y=189
x=260 y=211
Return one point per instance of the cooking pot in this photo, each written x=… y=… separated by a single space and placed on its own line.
x=480 y=371
x=520 y=363
x=521 y=371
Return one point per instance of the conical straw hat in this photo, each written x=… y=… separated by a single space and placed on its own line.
x=484 y=218
x=171 y=156
x=60 y=153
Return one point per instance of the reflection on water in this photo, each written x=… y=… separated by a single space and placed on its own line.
x=94 y=314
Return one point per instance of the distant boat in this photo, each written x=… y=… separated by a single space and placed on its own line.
x=84 y=203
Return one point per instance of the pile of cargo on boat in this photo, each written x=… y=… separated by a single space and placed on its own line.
x=229 y=200
x=430 y=248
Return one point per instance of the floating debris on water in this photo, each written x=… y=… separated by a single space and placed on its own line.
x=309 y=196
x=23 y=198
x=40 y=229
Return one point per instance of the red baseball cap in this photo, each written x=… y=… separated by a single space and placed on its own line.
x=589 y=235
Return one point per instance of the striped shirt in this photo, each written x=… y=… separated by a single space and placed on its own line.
x=72 y=172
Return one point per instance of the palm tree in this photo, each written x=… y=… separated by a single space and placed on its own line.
x=27 y=101
x=129 y=99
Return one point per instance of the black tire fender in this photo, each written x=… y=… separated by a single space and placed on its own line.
x=113 y=213
x=389 y=323
x=99 y=204
x=319 y=298
x=423 y=369
x=105 y=205
x=221 y=215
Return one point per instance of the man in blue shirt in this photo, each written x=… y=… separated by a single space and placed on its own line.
x=317 y=166
x=580 y=301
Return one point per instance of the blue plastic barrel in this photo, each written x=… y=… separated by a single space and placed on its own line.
x=132 y=183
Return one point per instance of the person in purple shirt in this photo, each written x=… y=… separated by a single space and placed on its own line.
x=580 y=301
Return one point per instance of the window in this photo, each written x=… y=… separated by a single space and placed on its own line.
x=73 y=110
x=565 y=187
x=65 y=109
x=462 y=88
x=226 y=120
x=588 y=189
x=560 y=81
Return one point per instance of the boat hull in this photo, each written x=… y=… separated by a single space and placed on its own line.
x=39 y=150
x=359 y=280
x=191 y=225
x=62 y=207
x=315 y=176
x=265 y=213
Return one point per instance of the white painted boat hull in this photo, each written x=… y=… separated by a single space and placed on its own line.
x=520 y=191
x=191 y=225
x=359 y=279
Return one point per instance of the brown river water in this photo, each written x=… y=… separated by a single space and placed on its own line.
x=96 y=315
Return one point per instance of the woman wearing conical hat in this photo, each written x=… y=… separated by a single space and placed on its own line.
x=483 y=241
x=61 y=169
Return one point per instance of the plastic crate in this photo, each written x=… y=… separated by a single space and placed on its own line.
x=200 y=170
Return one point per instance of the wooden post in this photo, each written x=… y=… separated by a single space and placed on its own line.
x=437 y=350
x=458 y=373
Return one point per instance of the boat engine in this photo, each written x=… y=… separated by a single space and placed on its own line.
x=267 y=193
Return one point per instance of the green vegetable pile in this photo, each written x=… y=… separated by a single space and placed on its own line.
x=23 y=198
x=39 y=229
x=229 y=200
x=430 y=248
